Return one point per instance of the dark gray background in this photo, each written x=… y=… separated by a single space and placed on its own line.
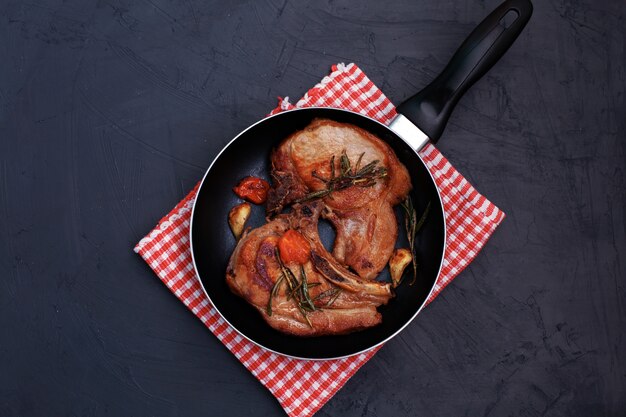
x=110 y=111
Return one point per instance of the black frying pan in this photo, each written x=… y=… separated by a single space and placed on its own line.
x=421 y=118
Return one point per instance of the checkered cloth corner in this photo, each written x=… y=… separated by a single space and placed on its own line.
x=303 y=387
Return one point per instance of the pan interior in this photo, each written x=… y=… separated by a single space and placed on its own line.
x=213 y=242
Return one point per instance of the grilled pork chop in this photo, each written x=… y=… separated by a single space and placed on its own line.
x=365 y=224
x=343 y=302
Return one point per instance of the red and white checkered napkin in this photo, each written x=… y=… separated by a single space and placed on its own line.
x=303 y=387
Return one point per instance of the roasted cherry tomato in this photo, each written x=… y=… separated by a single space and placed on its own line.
x=293 y=247
x=252 y=189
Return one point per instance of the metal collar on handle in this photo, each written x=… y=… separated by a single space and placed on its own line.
x=408 y=132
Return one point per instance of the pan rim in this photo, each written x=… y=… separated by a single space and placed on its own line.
x=193 y=258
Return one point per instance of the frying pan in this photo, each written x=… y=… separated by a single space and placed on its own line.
x=420 y=119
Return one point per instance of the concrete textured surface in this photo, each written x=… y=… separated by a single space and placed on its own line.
x=110 y=111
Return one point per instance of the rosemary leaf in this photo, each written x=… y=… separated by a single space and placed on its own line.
x=313 y=195
x=306 y=318
x=273 y=293
x=330 y=294
x=305 y=290
x=298 y=289
x=325 y=294
x=344 y=163
x=422 y=219
x=292 y=293
x=358 y=162
x=368 y=168
x=285 y=271
x=332 y=300
x=412 y=226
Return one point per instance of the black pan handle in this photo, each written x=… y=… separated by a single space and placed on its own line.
x=430 y=109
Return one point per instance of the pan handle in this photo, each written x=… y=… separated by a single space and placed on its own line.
x=430 y=109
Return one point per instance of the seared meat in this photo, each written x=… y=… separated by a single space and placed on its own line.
x=363 y=218
x=343 y=301
x=340 y=295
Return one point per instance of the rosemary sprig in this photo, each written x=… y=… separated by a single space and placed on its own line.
x=365 y=176
x=413 y=226
x=297 y=289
